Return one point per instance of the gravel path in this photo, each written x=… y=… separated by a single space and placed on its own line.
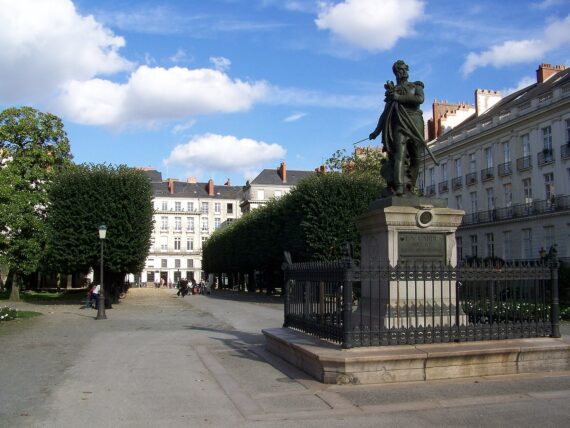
x=160 y=360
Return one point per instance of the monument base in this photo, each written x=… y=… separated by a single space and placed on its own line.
x=328 y=363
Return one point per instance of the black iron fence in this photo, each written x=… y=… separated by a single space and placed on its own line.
x=411 y=304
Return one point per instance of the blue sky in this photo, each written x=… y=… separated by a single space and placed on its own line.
x=224 y=88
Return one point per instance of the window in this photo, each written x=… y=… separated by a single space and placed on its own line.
x=508 y=194
x=458 y=172
x=217 y=207
x=527 y=190
x=490 y=244
x=277 y=194
x=204 y=224
x=177 y=206
x=164 y=223
x=190 y=206
x=189 y=263
x=549 y=187
x=164 y=206
x=177 y=263
x=163 y=263
x=472 y=163
x=260 y=195
x=189 y=244
x=178 y=223
x=163 y=243
x=527 y=243
x=177 y=243
x=547 y=138
x=489 y=157
x=217 y=223
x=549 y=240
x=190 y=224
x=507 y=245
x=459 y=244
x=459 y=202
x=567 y=121
x=473 y=196
x=431 y=176
x=204 y=209
x=204 y=240
x=150 y=276
x=230 y=208
x=490 y=198
x=444 y=171
x=150 y=263
x=525 y=142
x=507 y=151
x=473 y=239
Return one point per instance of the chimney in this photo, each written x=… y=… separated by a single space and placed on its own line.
x=191 y=180
x=485 y=99
x=322 y=169
x=282 y=170
x=210 y=187
x=228 y=182
x=171 y=185
x=546 y=71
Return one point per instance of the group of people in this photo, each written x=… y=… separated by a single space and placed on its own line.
x=193 y=287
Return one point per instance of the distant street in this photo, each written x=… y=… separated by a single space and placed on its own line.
x=199 y=361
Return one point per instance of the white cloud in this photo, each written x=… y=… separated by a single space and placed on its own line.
x=224 y=153
x=45 y=44
x=522 y=83
x=510 y=52
x=294 y=117
x=179 y=56
x=220 y=63
x=157 y=94
x=368 y=25
x=182 y=127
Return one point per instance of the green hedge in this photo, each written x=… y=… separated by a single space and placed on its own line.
x=311 y=222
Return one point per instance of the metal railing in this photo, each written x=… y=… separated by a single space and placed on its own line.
x=443 y=186
x=457 y=183
x=505 y=169
x=487 y=174
x=524 y=163
x=430 y=190
x=471 y=178
x=411 y=304
x=565 y=151
x=537 y=207
x=545 y=157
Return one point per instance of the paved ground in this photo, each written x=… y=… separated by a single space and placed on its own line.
x=160 y=360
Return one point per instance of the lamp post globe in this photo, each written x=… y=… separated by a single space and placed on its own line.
x=101 y=303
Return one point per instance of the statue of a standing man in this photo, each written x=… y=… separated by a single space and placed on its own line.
x=402 y=127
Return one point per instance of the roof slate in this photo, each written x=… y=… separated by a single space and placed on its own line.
x=190 y=190
x=270 y=177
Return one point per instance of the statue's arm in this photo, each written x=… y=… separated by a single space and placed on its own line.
x=380 y=126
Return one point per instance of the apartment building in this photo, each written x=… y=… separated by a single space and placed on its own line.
x=507 y=164
x=270 y=183
x=186 y=214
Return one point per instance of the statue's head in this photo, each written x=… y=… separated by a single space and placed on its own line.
x=400 y=69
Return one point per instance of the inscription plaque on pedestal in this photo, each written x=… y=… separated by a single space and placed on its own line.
x=421 y=247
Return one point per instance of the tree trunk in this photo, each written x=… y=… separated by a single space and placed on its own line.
x=15 y=293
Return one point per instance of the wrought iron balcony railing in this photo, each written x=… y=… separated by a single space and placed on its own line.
x=487 y=174
x=471 y=178
x=457 y=183
x=443 y=187
x=524 y=163
x=545 y=157
x=565 y=151
x=430 y=190
x=505 y=169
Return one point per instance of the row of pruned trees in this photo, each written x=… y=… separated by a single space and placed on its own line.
x=311 y=222
x=50 y=209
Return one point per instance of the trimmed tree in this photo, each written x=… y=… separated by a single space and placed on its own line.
x=33 y=148
x=84 y=197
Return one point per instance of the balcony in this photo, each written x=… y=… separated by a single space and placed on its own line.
x=505 y=169
x=487 y=174
x=457 y=183
x=565 y=151
x=443 y=187
x=537 y=207
x=430 y=190
x=471 y=178
x=545 y=157
x=524 y=163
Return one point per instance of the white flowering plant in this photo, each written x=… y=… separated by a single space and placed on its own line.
x=7 y=313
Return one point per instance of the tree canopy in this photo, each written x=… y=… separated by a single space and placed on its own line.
x=82 y=198
x=33 y=149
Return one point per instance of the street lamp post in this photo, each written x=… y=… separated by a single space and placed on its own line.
x=101 y=304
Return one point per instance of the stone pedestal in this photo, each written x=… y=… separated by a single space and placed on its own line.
x=415 y=233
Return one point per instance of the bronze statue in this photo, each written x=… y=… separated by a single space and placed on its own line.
x=402 y=127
